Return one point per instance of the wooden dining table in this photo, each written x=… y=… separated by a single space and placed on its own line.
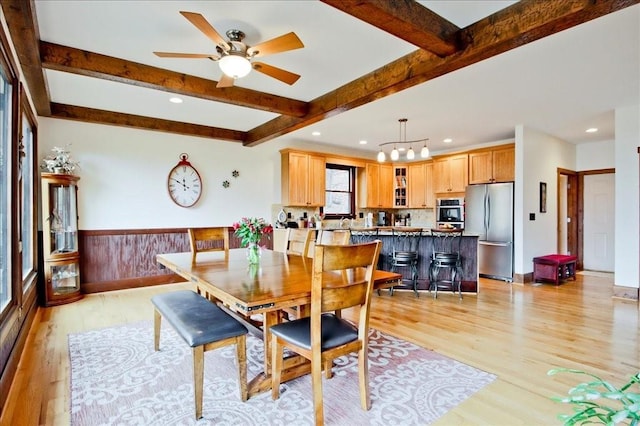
x=278 y=282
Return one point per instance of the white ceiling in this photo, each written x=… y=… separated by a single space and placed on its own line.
x=561 y=84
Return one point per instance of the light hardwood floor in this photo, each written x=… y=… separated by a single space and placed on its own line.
x=517 y=332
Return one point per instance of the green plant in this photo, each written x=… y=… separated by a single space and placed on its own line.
x=618 y=405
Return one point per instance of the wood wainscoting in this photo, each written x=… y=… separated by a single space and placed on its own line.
x=126 y=258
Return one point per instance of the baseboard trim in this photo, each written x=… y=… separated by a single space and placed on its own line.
x=523 y=278
x=626 y=293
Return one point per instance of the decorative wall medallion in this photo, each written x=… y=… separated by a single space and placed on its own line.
x=235 y=173
x=225 y=184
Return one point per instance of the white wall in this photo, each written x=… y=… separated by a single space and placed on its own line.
x=627 y=246
x=538 y=156
x=595 y=156
x=123 y=175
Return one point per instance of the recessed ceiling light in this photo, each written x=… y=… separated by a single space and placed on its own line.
x=447 y=140
x=592 y=130
x=363 y=142
x=316 y=133
x=175 y=100
x=401 y=149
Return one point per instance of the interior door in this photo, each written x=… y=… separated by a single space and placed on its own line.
x=599 y=222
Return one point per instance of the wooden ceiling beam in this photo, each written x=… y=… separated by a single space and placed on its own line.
x=98 y=116
x=23 y=27
x=407 y=20
x=81 y=62
x=512 y=27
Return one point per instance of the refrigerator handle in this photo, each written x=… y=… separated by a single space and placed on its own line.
x=486 y=211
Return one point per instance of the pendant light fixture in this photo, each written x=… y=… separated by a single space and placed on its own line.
x=395 y=153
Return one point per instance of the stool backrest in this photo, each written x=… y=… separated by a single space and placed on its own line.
x=363 y=235
x=446 y=241
x=406 y=239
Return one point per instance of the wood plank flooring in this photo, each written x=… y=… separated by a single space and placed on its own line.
x=517 y=332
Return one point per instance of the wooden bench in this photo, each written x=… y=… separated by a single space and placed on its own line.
x=204 y=326
x=554 y=268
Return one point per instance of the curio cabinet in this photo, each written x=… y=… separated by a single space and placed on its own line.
x=60 y=239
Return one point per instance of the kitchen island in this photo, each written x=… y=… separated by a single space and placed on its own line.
x=468 y=251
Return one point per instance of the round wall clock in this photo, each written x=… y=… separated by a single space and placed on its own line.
x=184 y=183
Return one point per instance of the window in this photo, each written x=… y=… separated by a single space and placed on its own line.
x=340 y=193
x=6 y=105
x=27 y=196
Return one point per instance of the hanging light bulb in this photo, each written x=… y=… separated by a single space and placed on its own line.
x=410 y=154
x=424 y=152
x=381 y=157
x=395 y=154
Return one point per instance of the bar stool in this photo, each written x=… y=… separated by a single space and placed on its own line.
x=404 y=254
x=445 y=254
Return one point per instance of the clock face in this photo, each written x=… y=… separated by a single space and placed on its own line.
x=185 y=185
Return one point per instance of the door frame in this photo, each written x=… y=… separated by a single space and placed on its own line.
x=574 y=213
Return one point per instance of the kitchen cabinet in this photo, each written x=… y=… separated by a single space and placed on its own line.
x=378 y=186
x=421 y=186
x=303 y=179
x=60 y=239
x=400 y=187
x=493 y=165
x=450 y=174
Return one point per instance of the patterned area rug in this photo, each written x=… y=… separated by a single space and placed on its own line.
x=118 y=379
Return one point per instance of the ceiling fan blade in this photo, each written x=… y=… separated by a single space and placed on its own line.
x=186 y=55
x=203 y=25
x=289 y=41
x=275 y=72
x=225 y=81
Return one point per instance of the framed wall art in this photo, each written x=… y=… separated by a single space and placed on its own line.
x=543 y=197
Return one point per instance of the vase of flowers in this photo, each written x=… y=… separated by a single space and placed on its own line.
x=60 y=161
x=250 y=231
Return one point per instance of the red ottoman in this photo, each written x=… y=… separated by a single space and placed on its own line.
x=554 y=268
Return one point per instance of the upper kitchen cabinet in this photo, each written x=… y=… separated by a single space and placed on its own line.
x=492 y=165
x=400 y=187
x=303 y=179
x=421 y=188
x=377 y=186
x=450 y=174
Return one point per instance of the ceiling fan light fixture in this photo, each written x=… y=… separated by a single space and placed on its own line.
x=235 y=66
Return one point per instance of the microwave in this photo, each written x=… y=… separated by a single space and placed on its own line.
x=450 y=210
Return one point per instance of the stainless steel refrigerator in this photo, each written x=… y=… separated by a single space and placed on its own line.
x=489 y=213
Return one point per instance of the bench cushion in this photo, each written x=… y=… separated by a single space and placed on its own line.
x=556 y=258
x=197 y=320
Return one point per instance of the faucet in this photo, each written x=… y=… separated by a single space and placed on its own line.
x=345 y=223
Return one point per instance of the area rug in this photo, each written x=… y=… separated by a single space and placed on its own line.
x=118 y=379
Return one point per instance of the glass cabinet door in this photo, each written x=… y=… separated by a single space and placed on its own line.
x=63 y=219
x=64 y=277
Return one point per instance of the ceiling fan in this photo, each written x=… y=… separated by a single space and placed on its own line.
x=235 y=57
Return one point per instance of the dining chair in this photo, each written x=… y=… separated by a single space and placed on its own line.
x=333 y=237
x=298 y=241
x=208 y=239
x=342 y=277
